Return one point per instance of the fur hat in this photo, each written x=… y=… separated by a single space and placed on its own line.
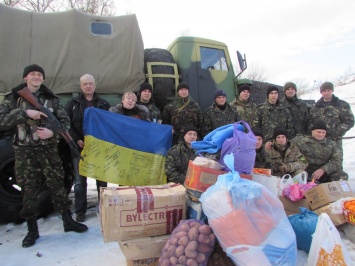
x=319 y=125
x=219 y=93
x=327 y=86
x=187 y=129
x=257 y=132
x=270 y=89
x=145 y=86
x=289 y=85
x=279 y=131
x=182 y=85
x=244 y=87
x=31 y=68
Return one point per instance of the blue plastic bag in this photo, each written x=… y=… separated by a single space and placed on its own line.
x=304 y=224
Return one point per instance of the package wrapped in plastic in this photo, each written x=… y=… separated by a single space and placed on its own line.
x=191 y=243
x=249 y=221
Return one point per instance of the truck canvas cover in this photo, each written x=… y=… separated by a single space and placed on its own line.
x=64 y=45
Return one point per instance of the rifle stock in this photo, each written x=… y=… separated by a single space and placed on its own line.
x=53 y=124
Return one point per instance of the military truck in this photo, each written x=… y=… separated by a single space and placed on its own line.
x=70 y=44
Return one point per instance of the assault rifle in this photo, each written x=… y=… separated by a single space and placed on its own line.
x=53 y=123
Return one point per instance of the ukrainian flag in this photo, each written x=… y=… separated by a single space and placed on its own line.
x=124 y=150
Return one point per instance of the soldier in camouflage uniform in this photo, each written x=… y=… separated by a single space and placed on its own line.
x=220 y=113
x=37 y=160
x=145 y=98
x=182 y=112
x=272 y=114
x=297 y=108
x=334 y=112
x=260 y=158
x=322 y=154
x=283 y=156
x=245 y=108
x=179 y=155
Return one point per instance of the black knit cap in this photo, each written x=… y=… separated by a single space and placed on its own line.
x=187 y=129
x=279 y=131
x=270 y=89
x=257 y=132
x=327 y=86
x=146 y=86
x=319 y=125
x=31 y=68
x=290 y=84
x=182 y=85
x=219 y=93
x=244 y=87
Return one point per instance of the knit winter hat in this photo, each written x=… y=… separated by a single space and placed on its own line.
x=31 y=68
x=289 y=85
x=187 y=129
x=279 y=131
x=319 y=125
x=327 y=86
x=257 y=132
x=219 y=93
x=182 y=85
x=145 y=86
x=270 y=89
x=243 y=88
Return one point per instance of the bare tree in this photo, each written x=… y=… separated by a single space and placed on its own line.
x=347 y=77
x=255 y=72
x=302 y=86
x=95 y=7
x=35 y=5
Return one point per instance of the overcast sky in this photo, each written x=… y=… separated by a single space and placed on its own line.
x=308 y=39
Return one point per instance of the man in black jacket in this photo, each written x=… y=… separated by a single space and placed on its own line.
x=75 y=109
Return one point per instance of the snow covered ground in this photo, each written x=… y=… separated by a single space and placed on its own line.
x=54 y=247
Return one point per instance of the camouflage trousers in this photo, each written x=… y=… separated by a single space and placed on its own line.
x=335 y=176
x=34 y=168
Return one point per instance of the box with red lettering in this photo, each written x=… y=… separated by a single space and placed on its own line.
x=129 y=212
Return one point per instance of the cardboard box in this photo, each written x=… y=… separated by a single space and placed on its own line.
x=337 y=219
x=143 y=248
x=326 y=193
x=293 y=206
x=194 y=209
x=144 y=262
x=199 y=178
x=136 y=212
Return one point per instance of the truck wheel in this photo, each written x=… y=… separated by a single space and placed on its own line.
x=163 y=88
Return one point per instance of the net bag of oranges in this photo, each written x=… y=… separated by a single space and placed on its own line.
x=249 y=221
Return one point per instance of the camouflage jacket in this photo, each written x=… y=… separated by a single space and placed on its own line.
x=13 y=116
x=260 y=159
x=177 y=162
x=245 y=109
x=319 y=153
x=299 y=112
x=138 y=111
x=268 y=117
x=289 y=156
x=155 y=115
x=215 y=117
x=336 y=114
x=190 y=115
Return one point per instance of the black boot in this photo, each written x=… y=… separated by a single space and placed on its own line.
x=32 y=235
x=71 y=225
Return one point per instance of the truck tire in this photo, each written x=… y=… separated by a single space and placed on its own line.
x=163 y=88
x=10 y=193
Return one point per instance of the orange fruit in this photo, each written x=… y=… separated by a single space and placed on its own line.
x=347 y=204
x=352 y=208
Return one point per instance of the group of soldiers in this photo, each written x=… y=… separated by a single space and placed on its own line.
x=293 y=137
x=314 y=137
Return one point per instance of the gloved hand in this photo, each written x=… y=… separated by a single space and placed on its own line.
x=283 y=169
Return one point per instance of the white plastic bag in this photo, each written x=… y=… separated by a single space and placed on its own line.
x=285 y=182
x=327 y=248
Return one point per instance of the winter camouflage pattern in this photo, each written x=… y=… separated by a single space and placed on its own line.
x=336 y=114
x=34 y=167
x=290 y=156
x=215 y=117
x=245 y=109
x=299 y=113
x=177 y=161
x=190 y=115
x=155 y=115
x=322 y=154
x=268 y=117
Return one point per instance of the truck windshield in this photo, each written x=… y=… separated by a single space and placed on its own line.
x=213 y=59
